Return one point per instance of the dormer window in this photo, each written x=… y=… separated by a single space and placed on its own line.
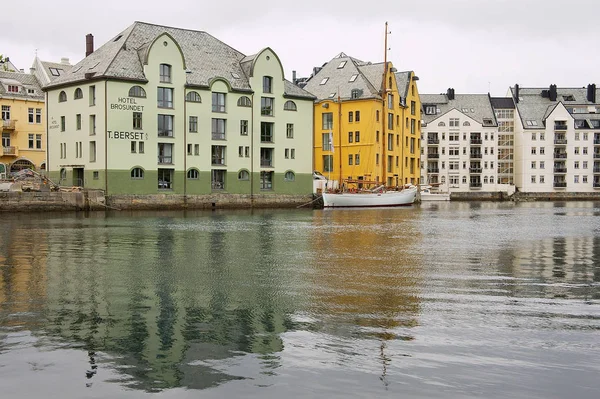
x=355 y=93
x=13 y=89
x=488 y=121
x=430 y=110
x=267 y=84
x=165 y=73
x=78 y=94
x=62 y=97
x=568 y=97
x=30 y=91
x=55 y=71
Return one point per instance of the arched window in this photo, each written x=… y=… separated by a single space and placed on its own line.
x=243 y=175
x=443 y=179
x=62 y=97
x=441 y=124
x=137 y=91
x=78 y=94
x=491 y=179
x=466 y=123
x=290 y=106
x=137 y=173
x=244 y=102
x=193 y=97
x=63 y=174
x=485 y=179
x=290 y=176
x=165 y=73
x=193 y=174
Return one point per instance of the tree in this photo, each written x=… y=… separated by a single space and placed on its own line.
x=5 y=64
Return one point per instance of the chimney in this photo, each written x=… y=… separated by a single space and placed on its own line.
x=89 y=44
x=591 y=93
x=294 y=77
x=517 y=93
x=64 y=61
x=450 y=94
x=22 y=70
x=552 y=95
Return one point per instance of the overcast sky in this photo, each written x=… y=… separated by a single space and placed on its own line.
x=474 y=46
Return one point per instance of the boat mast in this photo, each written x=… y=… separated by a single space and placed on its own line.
x=340 y=134
x=384 y=115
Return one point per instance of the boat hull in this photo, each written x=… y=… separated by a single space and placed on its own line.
x=389 y=198
x=435 y=197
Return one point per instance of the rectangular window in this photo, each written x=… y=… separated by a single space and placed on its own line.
x=356 y=116
x=38 y=115
x=350 y=159
x=133 y=147
x=62 y=124
x=532 y=150
x=31 y=141
x=266 y=106
x=217 y=179
x=30 y=115
x=287 y=153
x=266 y=132
x=165 y=179
x=247 y=152
x=377 y=136
x=38 y=141
x=165 y=153
x=350 y=137
x=78 y=122
x=165 y=97
x=293 y=153
x=390 y=121
x=289 y=131
x=218 y=154
x=542 y=164
x=267 y=84
x=96 y=175
x=92 y=125
x=165 y=73
x=266 y=157
x=196 y=149
x=350 y=116
x=327 y=163
x=412 y=126
x=243 y=127
x=266 y=180
x=137 y=120
x=165 y=125
x=92 y=151
x=390 y=142
x=357 y=137
x=390 y=163
x=141 y=147
x=193 y=124
x=241 y=151
x=576 y=164
x=327 y=141
x=413 y=108
x=357 y=159
x=454 y=122
x=218 y=129
x=327 y=120
x=92 y=95
x=189 y=149
x=218 y=102
x=576 y=150
x=412 y=145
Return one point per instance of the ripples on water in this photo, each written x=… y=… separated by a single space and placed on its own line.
x=442 y=300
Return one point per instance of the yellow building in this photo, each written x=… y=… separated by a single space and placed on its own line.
x=23 y=125
x=363 y=137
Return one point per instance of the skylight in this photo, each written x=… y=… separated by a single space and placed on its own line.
x=55 y=71
x=342 y=64
x=324 y=81
x=353 y=78
x=332 y=95
x=235 y=75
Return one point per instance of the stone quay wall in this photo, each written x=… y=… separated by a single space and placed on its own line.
x=18 y=201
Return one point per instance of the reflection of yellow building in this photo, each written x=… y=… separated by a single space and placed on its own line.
x=362 y=134
x=372 y=276
x=23 y=125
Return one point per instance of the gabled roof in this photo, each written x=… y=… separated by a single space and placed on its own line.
x=534 y=104
x=24 y=81
x=335 y=79
x=503 y=103
x=476 y=106
x=403 y=82
x=205 y=57
x=47 y=72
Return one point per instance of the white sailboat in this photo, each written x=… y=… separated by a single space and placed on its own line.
x=426 y=194
x=375 y=198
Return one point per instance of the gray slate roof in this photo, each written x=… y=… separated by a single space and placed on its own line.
x=24 y=80
x=533 y=107
x=206 y=58
x=475 y=106
x=368 y=79
x=503 y=103
x=403 y=82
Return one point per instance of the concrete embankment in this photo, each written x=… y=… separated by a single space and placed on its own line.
x=17 y=201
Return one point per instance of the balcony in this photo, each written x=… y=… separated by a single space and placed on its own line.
x=8 y=124
x=560 y=155
x=560 y=141
x=597 y=155
x=475 y=170
x=433 y=156
x=560 y=126
x=597 y=184
x=218 y=135
x=433 y=141
x=162 y=159
x=560 y=170
x=10 y=151
x=475 y=184
x=433 y=170
x=596 y=141
x=596 y=170
x=476 y=141
x=266 y=163
x=476 y=155
x=560 y=184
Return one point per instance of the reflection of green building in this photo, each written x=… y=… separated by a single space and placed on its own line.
x=135 y=300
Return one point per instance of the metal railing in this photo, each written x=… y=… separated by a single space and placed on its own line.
x=11 y=151
x=165 y=159
x=476 y=141
x=433 y=156
x=560 y=184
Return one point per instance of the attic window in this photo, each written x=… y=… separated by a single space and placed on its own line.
x=76 y=69
x=235 y=75
x=117 y=38
x=355 y=93
x=13 y=89
x=55 y=71
x=342 y=64
x=332 y=95
x=467 y=123
x=30 y=91
x=430 y=110
x=353 y=78
x=568 y=97
x=531 y=123
x=465 y=110
x=487 y=121
x=324 y=81
x=94 y=66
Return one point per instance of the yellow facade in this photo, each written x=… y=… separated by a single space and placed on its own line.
x=23 y=131
x=379 y=147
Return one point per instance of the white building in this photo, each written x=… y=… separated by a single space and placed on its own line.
x=166 y=110
x=557 y=139
x=459 y=142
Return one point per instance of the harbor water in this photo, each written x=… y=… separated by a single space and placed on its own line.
x=452 y=300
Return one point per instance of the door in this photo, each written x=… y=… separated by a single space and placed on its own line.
x=78 y=177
